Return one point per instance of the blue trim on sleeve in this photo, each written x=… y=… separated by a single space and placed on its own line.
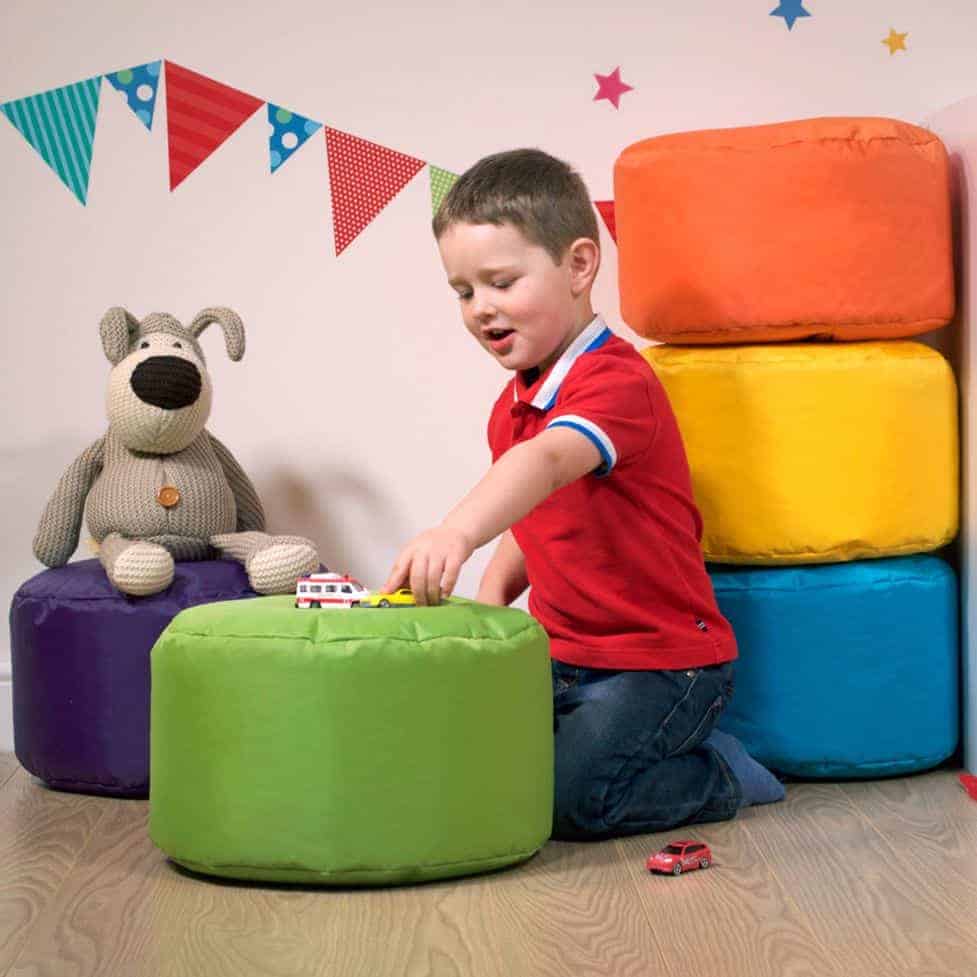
x=601 y=471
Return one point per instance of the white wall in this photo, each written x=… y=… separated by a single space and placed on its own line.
x=957 y=126
x=376 y=331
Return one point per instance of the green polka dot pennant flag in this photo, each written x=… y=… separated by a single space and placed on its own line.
x=288 y=131
x=138 y=86
x=60 y=125
x=441 y=182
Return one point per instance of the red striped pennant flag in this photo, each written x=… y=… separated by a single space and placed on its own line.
x=200 y=115
x=606 y=209
x=363 y=178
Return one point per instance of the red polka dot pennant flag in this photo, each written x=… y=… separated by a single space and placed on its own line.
x=200 y=115
x=363 y=178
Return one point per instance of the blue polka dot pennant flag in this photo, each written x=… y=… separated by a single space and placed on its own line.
x=60 y=125
x=288 y=132
x=139 y=85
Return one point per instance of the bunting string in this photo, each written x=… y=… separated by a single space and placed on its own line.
x=201 y=115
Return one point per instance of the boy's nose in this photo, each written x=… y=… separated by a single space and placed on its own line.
x=482 y=307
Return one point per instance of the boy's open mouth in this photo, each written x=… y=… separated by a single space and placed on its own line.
x=499 y=340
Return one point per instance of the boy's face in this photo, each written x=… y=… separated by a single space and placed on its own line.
x=515 y=300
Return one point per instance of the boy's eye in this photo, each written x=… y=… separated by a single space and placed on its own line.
x=503 y=285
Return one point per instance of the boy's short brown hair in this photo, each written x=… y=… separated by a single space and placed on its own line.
x=538 y=194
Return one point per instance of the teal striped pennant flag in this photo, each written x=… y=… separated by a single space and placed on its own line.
x=60 y=125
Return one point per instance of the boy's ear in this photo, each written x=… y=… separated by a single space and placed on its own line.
x=583 y=260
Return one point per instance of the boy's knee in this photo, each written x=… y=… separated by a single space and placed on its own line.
x=579 y=807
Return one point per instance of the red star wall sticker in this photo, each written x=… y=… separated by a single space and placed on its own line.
x=611 y=87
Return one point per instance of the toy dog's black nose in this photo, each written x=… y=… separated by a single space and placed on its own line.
x=166 y=381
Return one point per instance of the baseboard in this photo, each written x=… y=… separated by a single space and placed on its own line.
x=6 y=709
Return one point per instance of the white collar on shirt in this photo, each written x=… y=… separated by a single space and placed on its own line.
x=594 y=335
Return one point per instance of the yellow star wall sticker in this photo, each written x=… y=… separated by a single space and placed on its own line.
x=895 y=41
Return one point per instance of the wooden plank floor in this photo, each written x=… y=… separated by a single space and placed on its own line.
x=841 y=880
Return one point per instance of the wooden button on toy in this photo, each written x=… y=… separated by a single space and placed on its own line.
x=168 y=496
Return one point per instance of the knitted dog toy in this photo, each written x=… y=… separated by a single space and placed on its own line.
x=158 y=486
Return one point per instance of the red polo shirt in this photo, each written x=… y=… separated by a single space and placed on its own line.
x=613 y=559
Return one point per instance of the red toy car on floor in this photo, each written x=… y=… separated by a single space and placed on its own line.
x=680 y=856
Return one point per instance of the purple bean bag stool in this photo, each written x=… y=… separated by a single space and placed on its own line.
x=80 y=658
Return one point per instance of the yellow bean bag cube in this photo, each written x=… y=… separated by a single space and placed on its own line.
x=816 y=452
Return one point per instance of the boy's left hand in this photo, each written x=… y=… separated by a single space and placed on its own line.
x=430 y=563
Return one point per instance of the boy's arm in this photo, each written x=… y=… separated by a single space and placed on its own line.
x=525 y=475
x=505 y=576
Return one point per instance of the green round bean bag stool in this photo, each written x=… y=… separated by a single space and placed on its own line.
x=350 y=747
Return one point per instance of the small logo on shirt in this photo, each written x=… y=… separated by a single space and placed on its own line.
x=701 y=625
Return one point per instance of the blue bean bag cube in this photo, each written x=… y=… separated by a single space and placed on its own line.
x=845 y=670
x=80 y=659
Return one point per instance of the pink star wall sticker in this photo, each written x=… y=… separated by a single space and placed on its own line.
x=611 y=87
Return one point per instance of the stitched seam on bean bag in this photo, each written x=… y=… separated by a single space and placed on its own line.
x=326 y=873
x=852 y=352
x=687 y=149
x=225 y=636
x=116 y=785
x=118 y=598
x=801 y=556
x=922 y=324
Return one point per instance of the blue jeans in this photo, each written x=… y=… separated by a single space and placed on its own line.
x=629 y=753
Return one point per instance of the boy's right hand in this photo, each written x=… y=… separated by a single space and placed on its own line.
x=429 y=564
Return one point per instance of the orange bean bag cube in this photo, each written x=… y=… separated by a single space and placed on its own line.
x=835 y=228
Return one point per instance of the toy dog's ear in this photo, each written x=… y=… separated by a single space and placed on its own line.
x=229 y=321
x=117 y=330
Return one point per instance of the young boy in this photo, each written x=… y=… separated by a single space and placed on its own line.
x=590 y=489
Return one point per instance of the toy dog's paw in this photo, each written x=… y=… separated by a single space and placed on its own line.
x=239 y=546
x=142 y=569
x=274 y=568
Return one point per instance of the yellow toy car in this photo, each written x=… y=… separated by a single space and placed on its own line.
x=399 y=598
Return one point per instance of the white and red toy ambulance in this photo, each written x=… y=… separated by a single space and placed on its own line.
x=328 y=590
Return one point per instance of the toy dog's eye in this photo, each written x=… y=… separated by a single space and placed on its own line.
x=144 y=345
x=178 y=345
